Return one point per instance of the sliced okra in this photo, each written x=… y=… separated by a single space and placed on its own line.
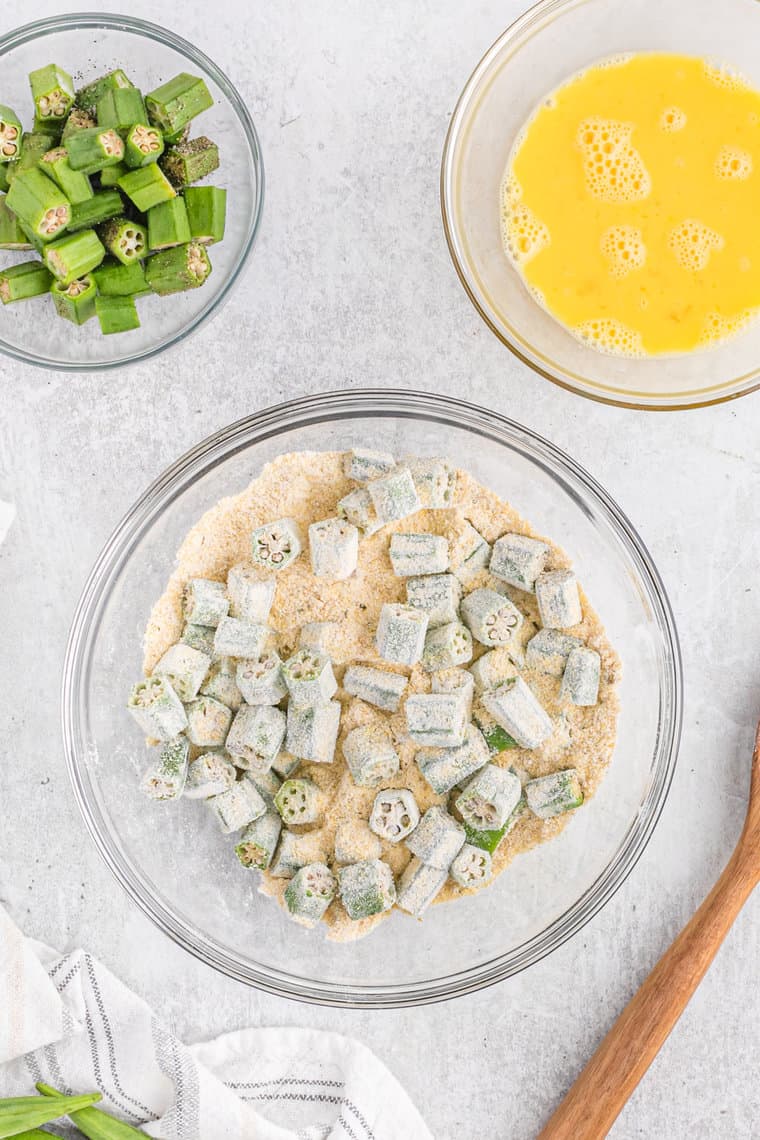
x=190 y=160
x=125 y=240
x=394 y=495
x=368 y=750
x=184 y=669
x=436 y=719
x=414 y=555
x=394 y=814
x=490 y=798
x=366 y=888
x=458 y=681
x=177 y=270
x=555 y=794
x=22 y=281
x=121 y=108
x=267 y=783
x=39 y=203
x=204 y=602
x=176 y=102
x=309 y=893
x=491 y=839
x=166 y=778
x=549 y=650
x=33 y=145
x=238 y=806
x=444 y=768
x=258 y=842
x=309 y=677
x=147 y=187
x=317 y=635
x=473 y=867
x=437 y=839
x=103 y=205
x=400 y=636
x=77 y=120
x=275 y=545
x=74 y=256
x=438 y=595
x=168 y=225
x=491 y=617
x=295 y=851
x=447 y=646
x=157 y=708
x=354 y=842
x=35 y=241
x=333 y=548
x=88 y=96
x=518 y=560
x=516 y=708
x=496 y=737
x=206 y=213
x=116 y=314
x=209 y=775
x=377 y=687
x=313 y=731
x=94 y=149
x=4 y=180
x=12 y=235
x=357 y=508
x=237 y=638
x=11 y=133
x=419 y=885
x=75 y=302
x=221 y=684
x=52 y=92
x=362 y=465
x=256 y=736
x=434 y=479
x=250 y=595
x=261 y=681
x=580 y=681
x=492 y=668
x=559 y=602
x=284 y=765
x=200 y=637
x=208 y=722
x=74 y=184
x=299 y=801
x=470 y=555
x=109 y=178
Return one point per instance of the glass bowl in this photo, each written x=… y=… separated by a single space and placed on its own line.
x=172 y=859
x=545 y=46
x=86 y=45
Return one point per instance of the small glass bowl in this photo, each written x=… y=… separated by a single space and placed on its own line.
x=544 y=47
x=87 y=45
x=172 y=859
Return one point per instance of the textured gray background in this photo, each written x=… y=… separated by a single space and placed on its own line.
x=351 y=285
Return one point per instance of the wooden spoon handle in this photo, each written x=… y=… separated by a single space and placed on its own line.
x=594 y=1101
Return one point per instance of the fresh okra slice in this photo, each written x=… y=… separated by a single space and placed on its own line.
x=126 y=240
x=357 y=508
x=436 y=719
x=175 y=103
x=35 y=241
x=377 y=687
x=400 y=636
x=22 y=281
x=206 y=212
x=496 y=737
x=559 y=602
x=489 y=800
x=555 y=794
x=238 y=806
x=261 y=681
x=204 y=602
x=179 y=269
x=491 y=839
x=366 y=888
x=77 y=120
x=200 y=637
x=394 y=495
x=11 y=133
x=39 y=203
x=492 y=668
x=166 y=778
x=518 y=560
x=444 y=768
x=94 y=149
x=470 y=555
x=370 y=755
x=394 y=814
x=256 y=736
x=362 y=465
x=188 y=161
x=437 y=839
x=33 y=145
x=317 y=635
x=73 y=256
x=74 y=184
x=458 y=681
x=275 y=545
x=250 y=595
x=447 y=646
x=52 y=92
x=309 y=678
x=354 y=842
x=220 y=683
x=309 y=893
x=157 y=709
x=580 y=681
x=88 y=96
x=516 y=708
x=434 y=479
x=168 y=225
x=473 y=867
x=4 y=180
x=491 y=617
x=208 y=722
x=103 y=205
x=116 y=314
x=12 y=235
x=418 y=554
x=299 y=801
x=147 y=187
x=209 y=775
x=259 y=841
x=109 y=178
x=333 y=548
x=237 y=638
x=121 y=108
x=313 y=732
x=438 y=595
x=418 y=886
x=75 y=302
x=549 y=650
x=184 y=668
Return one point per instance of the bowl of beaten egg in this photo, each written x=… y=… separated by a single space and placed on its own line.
x=599 y=188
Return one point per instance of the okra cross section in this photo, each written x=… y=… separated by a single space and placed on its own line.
x=298 y=801
x=472 y=868
x=394 y=495
x=447 y=646
x=73 y=256
x=309 y=893
x=75 y=302
x=258 y=842
x=52 y=92
x=491 y=617
x=275 y=545
x=394 y=814
x=309 y=677
x=39 y=203
x=125 y=240
x=143 y=145
x=256 y=736
x=165 y=779
x=157 y=709
x=209 y=775
x=490 y=798
x=184 y=669
x=10 y=134
x=261 y=681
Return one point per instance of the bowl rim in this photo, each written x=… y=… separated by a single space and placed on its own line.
x=76 y=21
x=527 y=22
x=203 y=457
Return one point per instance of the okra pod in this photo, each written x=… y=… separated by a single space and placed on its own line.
x=168 y=225
x=52 y=92
x=94 y=149
x=116 y=280
x=12 y=235
x=88 y=96
x=102 y=206
x=20 y=282
x=126 y=240
x=110 y=176
x=175 y=103
x=188 y=162
x=184 y=668
x=121 y=108
x=276 y=544
x=75 y=302
x=77 y=120
x=21 y=1113
x=366 y=888
x=369 y=753
x=74 y=256
x=309 y=893
x=490 y=839
x=4 y=180
x=167 y=775
x=33 y=145
x=39 y=203
x=94 y=1123
x=177 y=270
x=147 y=187
x=206 y=213
x=11 y=133
x=143 y=145
x=75 y=185
x=116 y=314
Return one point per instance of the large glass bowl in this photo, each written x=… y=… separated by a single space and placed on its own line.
x=172 y=859
x=87 y=45
x=545 y=46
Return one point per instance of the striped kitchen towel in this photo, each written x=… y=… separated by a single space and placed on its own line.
x=68 y=1021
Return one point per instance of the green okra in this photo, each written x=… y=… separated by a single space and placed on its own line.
x=175 y=103
x=33 y=146
x=116 y=280
x=12 y=235
x=74 y=256
x=116 y=314
x=20 y=282
x=87 y=97
x=78 y=120
x=35 y=241
x=120 y=108
x=168 y=225
x=147 y=187
x=4 y=180
x=94 y=149
x=75 y=185
x=125 y=239
x=143 y=144
x=206 y=212
x=75 y=302
x=490 y=840
x=11 y=135
x=21 y=1113
x=110 y=176
x=171 y=138
x=94 y=1122
x=191 y=160
x=177 y=270
x=102 y=206
x=52 y=92
x=39 y=203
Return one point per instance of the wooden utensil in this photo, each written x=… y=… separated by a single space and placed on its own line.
x=590 y=1108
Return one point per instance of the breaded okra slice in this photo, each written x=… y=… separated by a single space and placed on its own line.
x=200 y=637
x=438 y=595
x=473 y=867
x=447 y=646
x=415 y=555
x=39 y=204
x=555 y=794
x=444 y=768
x=559 y=602
x=74 y=256
x=313 y=731
x=362 y=465
x=125 y=240
x=296 y=851
x=238 y=806
x=493 y=668
x=221 y=684
x=357 y=508
x=209 y=775
x=437 y=839
x=95 y=148
x=549 y=650
x=258 y=842
x=256 y=736
x=250 y=595
x=470 y=555
x=116 y=314
x=400 y=636
x=22 y=281
x=334 y=548
x=490 y=839
x=518 y=560
x=496 y=737
x=377 y=687
x=157 y=708
x=394 y=495
x=438 y=720
x=275 y=545
x=184 y=669
x=368 y=750
x=204 y=601
x=309 y=678
x=309 y=893
x=434 y=480
x=459 y=681
x=419 y=885
x=206 y=213
x=261 y=681
x=74 y=184
x=166 y=778
x=190 y=160
x=52 y=92
x=208 y=722
x=11 y=133
x=75 y=302
x=237 y=638
x=516 y=708
x=394 y=814
x=580 y=681
x=366 y=888
x=175 y=103
x=491 y=617
x=490 y=798
x=298 y=801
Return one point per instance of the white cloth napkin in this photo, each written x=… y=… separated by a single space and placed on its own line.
x=68 y=1021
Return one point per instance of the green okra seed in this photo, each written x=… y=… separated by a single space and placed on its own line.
x=87 y=97
x=39 y=203
x=125 y=239
x=175 y=103
x=74 y=256
x=33 y=145
x=177 y=270
x=75 y=185
x=190 y=161
x=11 y=134
x=75 y=302
x=77 y=121
x=168 y=225
x=12 y=235
x=20 y=282
x=94 y=1122
x=116 y=314
x=116 y=280
x=206 y=212
x=95 y=148
x=120 y=108
x=52 y=92
x=144 y=144
x=147 y=187
x=102 y=206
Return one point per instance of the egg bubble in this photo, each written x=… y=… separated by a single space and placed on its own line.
x=718 y=329
x=623 y=248
x=722 y=75
x=613 y=168
x=733 y=164
x=673 y=119
x=608 y=335
x=692 y=242
x=524 y=234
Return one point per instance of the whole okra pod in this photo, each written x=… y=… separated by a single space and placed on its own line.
x=95 y=1123
x=20 y=1113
